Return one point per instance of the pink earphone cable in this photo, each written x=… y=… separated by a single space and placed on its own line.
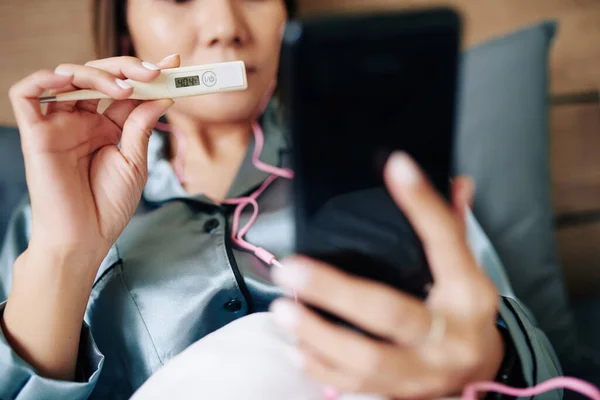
x=471 y=391
x=237 y=234
x=259 y=139
x=561 y=382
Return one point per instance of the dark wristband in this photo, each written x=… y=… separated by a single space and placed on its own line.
x=510 y=372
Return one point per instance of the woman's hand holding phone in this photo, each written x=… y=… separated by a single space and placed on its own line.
x=434 y=348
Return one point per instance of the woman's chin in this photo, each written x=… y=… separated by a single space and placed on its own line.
x=219 y=108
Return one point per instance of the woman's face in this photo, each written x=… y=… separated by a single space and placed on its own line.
x=210 y=31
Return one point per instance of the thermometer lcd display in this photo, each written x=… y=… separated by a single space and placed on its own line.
x=187 y=81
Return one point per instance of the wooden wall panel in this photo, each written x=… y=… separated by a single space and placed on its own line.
x=36 y=34
x=575 y=154
x=579 y=252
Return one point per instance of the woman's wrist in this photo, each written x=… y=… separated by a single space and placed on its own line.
x=44 y=313
x=494 y=357
x=65 y=280
x=76 y=262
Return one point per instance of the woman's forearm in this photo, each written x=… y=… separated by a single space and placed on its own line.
x=44 y=313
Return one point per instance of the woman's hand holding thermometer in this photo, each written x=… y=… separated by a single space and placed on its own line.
x=187 y=81
x=88 y=169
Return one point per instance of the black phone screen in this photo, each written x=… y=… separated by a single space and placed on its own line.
x=355 y=90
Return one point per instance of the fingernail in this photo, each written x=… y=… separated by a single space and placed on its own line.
x=286 y=314
x=123 y=84
x=150 y=66
x=296 y=357
x=293 y=275
x=404 y=168
x=169 y=56
x=63 y=71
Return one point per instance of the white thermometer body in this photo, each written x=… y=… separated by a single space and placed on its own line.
x=188 y=81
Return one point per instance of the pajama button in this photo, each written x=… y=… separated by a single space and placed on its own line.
x=211 y=225
x=233 y=305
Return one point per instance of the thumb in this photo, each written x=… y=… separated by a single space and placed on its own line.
x=138 y=129
x=431 y=217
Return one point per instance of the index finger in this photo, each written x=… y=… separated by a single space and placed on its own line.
x=370 y=305
x=24 y=95
x=437 y=226
x=134 y=68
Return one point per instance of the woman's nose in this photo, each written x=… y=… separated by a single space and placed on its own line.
x=221 y=23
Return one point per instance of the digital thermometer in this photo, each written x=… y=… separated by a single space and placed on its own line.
x=175 y=82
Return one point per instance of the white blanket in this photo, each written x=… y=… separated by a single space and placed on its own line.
x=245 y=360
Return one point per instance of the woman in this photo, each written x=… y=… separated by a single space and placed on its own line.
x=151 y=277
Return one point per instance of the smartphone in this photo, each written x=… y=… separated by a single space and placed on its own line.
x=355 y=88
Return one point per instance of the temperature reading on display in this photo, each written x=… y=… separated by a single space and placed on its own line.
x=187 y=81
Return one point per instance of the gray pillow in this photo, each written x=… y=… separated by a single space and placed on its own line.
x=503 y=143
x=12 y=175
